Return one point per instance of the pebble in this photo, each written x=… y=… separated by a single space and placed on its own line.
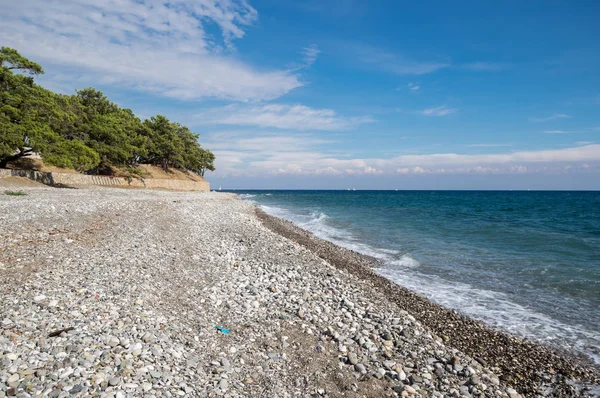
x=359 y=367
x=352 y=358
x=66 y=373
x=148 y=275
x=76 y=389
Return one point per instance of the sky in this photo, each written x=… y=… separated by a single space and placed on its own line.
x=336 y=94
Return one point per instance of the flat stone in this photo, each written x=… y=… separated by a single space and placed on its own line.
x=474 y=380
x=66 y=373
x=223 y=384
x=352 y=358
x=415 y=379
x=398 y=389
x=359 y=367
x=401 y=375
x=76 y=388
x=13 y=380
x=13 y=377
x=149 y=338
x=380 y=373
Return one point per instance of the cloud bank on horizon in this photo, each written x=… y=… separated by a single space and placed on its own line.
x=280 y=90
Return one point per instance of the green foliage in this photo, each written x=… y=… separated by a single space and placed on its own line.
x=15 y=193
x=85 y=131
x=72 y=154
x=27 y=114
x=11 y=59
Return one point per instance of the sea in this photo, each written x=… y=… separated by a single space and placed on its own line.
x=525 y=262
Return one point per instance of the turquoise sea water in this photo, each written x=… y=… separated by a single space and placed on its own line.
x=526 y=262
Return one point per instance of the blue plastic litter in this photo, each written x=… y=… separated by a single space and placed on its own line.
x=222 y=329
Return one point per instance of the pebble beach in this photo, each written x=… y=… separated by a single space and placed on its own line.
x=127 y=293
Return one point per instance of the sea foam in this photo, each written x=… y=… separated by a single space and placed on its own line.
x=494 y=308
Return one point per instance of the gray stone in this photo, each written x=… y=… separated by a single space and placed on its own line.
x=474 y=380
x=398 y=388
x=76 y=389
x=352 y=358
x=415 y=379
x=14 y=377
x=149 y=338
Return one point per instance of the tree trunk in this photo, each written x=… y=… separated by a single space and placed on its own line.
x=5 y=160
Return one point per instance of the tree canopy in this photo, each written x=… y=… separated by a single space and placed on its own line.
x=85 y=131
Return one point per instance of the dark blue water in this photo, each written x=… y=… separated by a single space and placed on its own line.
x=527 y=262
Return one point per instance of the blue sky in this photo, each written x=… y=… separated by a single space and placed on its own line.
x=337 y=94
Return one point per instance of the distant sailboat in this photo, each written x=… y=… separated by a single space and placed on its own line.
x=220 y=188
x=354 y=189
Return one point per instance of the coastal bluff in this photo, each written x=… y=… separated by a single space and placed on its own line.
x=85 y=180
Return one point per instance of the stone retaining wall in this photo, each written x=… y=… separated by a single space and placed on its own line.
x=74 y=179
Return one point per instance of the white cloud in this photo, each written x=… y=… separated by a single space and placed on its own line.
x=556 y=116
x=310 y=54
x=484 y=66
x=556 y=132
x=265 y=143
x=583 y=143
x=414 y=86
x=487 y=145
x=295 y=117
x=438 y=111
x=161 y=46
x=262 y=154
x=392 y=62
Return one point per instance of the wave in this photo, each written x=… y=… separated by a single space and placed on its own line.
x=497 y=310
x=317 y=223
x=492 y=307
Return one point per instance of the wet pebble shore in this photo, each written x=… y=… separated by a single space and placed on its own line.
x=115 y=293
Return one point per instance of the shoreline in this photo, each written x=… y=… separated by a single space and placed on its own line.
x=139 y=286
x=524 y=362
